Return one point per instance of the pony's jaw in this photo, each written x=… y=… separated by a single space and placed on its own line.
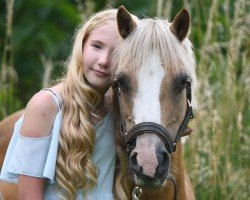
x=151 y=184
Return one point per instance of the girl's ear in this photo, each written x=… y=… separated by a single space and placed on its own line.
x=180 y=24
x=126 y=24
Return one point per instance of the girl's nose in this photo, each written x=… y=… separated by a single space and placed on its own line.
x=104 y=60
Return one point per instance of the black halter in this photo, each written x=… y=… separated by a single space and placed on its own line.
x=157 y=129
x=151 y=127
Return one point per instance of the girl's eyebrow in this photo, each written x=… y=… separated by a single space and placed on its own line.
x=97 y=41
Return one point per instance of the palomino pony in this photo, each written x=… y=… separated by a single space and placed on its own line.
x=153 y=89
x=8 y=191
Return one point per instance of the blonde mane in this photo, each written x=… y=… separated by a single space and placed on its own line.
x=154 y=36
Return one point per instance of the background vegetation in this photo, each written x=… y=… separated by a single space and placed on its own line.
x=36 y=36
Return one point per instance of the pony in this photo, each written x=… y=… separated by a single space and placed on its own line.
x=8 y=191
x=154 y=94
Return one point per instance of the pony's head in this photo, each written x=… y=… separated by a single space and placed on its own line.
x=153 y=83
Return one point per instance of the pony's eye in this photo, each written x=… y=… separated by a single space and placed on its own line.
x=123 y=83
x=182 y=83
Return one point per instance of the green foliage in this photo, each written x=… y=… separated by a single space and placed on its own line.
x=44 y=28
x=217 y=153
x=40 y=28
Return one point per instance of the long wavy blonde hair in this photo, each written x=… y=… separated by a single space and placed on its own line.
x=75 y=168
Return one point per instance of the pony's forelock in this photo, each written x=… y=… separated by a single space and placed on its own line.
x=153 y=36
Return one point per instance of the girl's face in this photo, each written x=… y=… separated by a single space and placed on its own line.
x=97 y=52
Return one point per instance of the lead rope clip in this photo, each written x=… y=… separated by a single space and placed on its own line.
x=137 y=192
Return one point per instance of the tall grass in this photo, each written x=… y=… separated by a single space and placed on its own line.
x=8 y=75
x=217 y=154
x=9 y=78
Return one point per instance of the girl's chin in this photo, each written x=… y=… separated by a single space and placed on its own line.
x=101 y=85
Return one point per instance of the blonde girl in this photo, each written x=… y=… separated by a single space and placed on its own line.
x=63 y=145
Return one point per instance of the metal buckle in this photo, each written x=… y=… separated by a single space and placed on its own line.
x=136 y=193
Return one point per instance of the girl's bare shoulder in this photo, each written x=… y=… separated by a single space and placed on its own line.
x=39 y=115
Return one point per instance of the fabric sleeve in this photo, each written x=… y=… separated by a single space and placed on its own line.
x=31 y=156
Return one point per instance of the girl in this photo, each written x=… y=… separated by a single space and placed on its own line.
x=63 y=146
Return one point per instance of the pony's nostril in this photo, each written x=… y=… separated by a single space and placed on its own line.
x=133 y=159
x=134 y=164
x=141 y=169
x=164 y=157
x=163 y=162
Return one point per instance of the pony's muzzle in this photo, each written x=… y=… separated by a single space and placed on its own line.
x=150 y=167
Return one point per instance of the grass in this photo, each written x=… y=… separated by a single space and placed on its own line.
x=217 y=154
x=8 y=74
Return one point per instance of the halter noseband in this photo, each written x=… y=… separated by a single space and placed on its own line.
x=157 y=129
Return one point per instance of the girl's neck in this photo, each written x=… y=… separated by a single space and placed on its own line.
x=102 y=106
x=100 y=111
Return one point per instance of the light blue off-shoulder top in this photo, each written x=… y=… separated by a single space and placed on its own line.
x=37 y=157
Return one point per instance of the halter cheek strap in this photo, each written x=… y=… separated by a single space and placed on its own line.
x=189 y=115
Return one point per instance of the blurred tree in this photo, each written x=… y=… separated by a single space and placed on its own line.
x=44 y=29
x=40 y=28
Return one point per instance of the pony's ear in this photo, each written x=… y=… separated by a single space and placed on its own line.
x=125 y=23
x=180 y=24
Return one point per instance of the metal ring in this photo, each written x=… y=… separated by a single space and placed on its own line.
x=137 y=192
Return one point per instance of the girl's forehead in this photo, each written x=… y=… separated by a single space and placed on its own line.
x=105 y=32
x=107 y=27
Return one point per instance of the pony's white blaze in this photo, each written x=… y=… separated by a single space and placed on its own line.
x=147 y=100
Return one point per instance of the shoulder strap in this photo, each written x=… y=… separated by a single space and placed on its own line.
x=55 y=97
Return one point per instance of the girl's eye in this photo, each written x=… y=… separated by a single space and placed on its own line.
x=97 y=46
